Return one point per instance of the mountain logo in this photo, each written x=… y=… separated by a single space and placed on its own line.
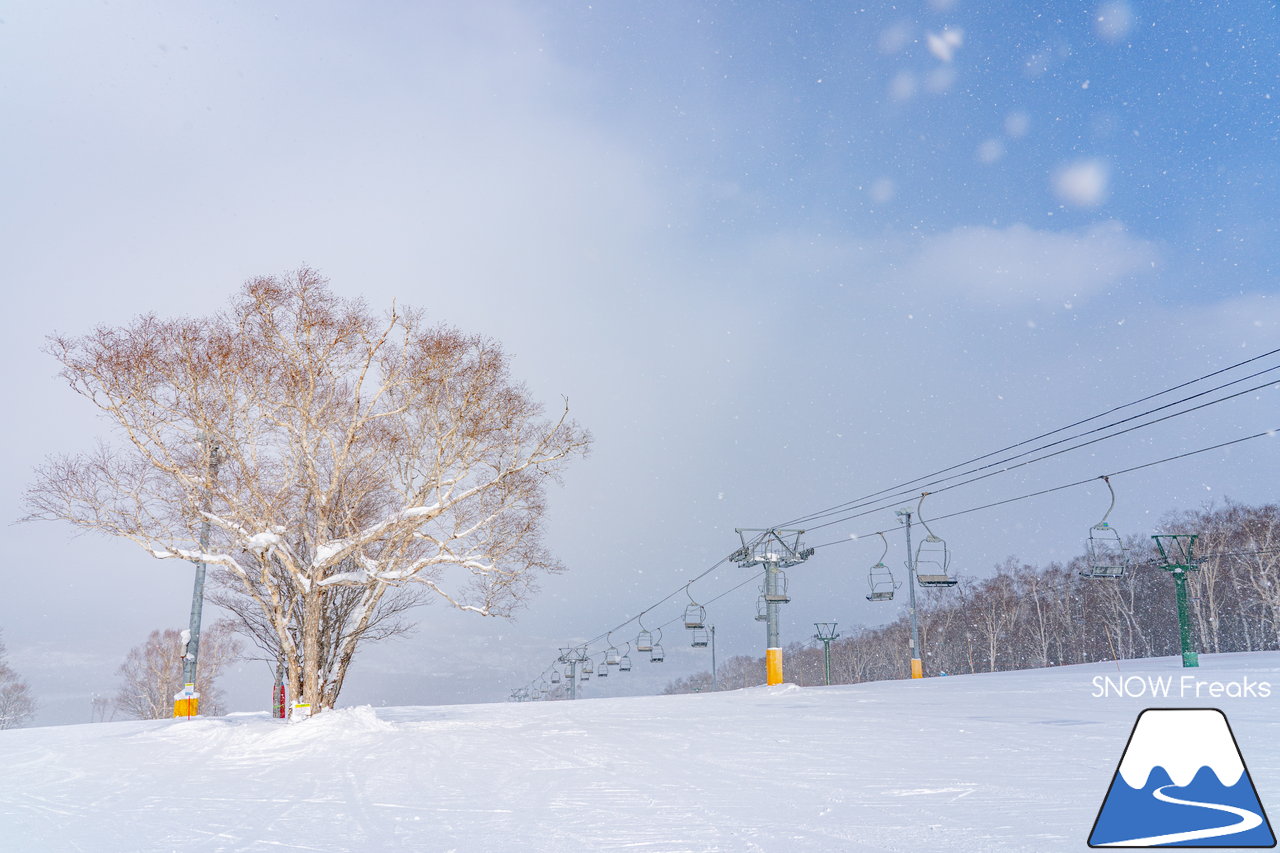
x=1181 y=782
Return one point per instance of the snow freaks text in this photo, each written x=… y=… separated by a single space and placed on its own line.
x=1169 y=686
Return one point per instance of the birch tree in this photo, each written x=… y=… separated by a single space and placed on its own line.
x=152 y=672
x=335 y=461
x=1253 y=533
x=16 y=704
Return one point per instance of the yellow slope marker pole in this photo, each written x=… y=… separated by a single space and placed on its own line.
x=773 y=666
x=186 y=702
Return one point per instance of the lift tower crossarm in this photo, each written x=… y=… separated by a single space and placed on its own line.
x=775 y=549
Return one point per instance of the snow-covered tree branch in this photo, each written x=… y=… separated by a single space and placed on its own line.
x=363 y=465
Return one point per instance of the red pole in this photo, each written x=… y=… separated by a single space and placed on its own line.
x=278 y=692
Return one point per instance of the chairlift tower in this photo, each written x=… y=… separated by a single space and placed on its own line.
x=571 y=658
x=775 y=549
x=917 y=669
x=1176 y=558
x=714 y=680
x=186 y=702
x=826 y=633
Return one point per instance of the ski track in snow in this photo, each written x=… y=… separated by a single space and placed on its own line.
x=971 y=763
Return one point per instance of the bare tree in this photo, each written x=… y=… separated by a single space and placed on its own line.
x=16 y=704
x=1239 y=569
x=995 y=608
x=152 y=672
x=1045 y=614
x=339 y=460
x=698 y=682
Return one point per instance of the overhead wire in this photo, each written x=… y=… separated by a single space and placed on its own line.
x=934 y=488
x=1024 y=463
x=1064 y=486
x=1110 y=411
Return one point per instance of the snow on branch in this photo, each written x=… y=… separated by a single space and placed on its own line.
x=357 y=577
x=333 y=551
x=226 y=560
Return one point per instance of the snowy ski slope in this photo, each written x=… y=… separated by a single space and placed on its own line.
x=1003 y=761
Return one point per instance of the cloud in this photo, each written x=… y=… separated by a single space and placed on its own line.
x=1019 y=264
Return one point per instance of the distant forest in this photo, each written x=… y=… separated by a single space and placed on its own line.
x=1027 y=616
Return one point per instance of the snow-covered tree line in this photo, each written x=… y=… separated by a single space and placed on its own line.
x=1028 y=616
x=339 y=467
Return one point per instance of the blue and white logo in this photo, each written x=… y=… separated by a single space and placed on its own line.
x=1182 y=782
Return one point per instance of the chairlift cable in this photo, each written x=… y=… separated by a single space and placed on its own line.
x=879 y=495
x=1269 y=432
x=1059 y=452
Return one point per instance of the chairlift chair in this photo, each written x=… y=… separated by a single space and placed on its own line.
x=933 y=558
x=644 y=640
x=762 y=610
x=1105 y=553
x=695 y=615
x=611 y=654
x=780 y=589
x=932 y=562
x=602 y=671
x=880 y=578
x=624 y=663
x=882 y=584
x=586 y=669
x=656 y=654
x=700 y=638
x=555 y=676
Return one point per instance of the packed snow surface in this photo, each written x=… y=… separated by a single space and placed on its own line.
x=1005 y=761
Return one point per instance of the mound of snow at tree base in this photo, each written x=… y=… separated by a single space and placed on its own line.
x=1002 y=761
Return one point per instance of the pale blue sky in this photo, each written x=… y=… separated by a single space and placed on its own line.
x=776 y=255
